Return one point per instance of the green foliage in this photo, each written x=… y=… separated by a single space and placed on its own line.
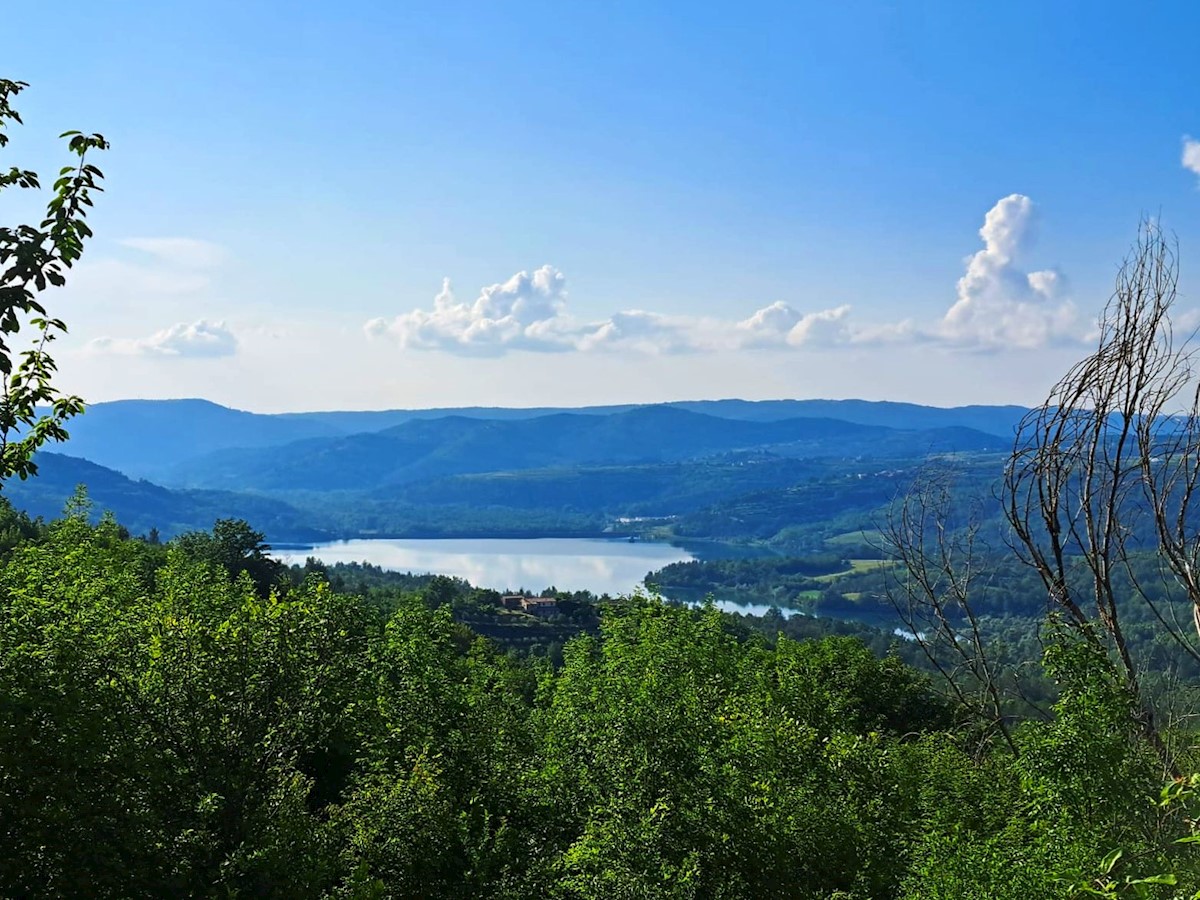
x=33 y=258
x=780 y=581
x=236 y=548
x=166 y=727
x=181 y=720
x=1043 y=823
x=686 y=764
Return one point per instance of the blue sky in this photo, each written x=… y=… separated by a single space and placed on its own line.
x=756 y=200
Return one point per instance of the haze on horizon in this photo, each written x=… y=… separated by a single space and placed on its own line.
x=369 y=207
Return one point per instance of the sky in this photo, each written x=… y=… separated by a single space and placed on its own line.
x=369 y=205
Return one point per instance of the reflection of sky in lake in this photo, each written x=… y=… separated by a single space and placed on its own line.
x=600 y=566
x=752 y=609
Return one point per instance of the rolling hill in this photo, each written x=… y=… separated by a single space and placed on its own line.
x=456 y=445
x=150 y=438
x=145 y=438
x=723 y=469
x=141 y=506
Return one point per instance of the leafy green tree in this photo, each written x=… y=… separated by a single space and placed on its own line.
x=235 y=547
x=33 y=258
x=166 y=731
x=77 y=795
x=681 y=762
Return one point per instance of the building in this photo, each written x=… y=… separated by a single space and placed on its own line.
x=539 y=606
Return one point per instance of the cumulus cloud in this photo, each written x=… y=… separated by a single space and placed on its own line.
x=646 y=332
x=529 y=312
x=825 y=327
x=524 y=313
x=195 y=340
x=1000 y=304
x=1191 y=155
x=769 y=326
x=780 y=325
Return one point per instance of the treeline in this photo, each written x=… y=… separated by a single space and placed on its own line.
x=785 y=582
x=740 y=572
x=373 y=516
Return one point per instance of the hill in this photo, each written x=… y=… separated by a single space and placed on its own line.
x=144 y=438
x=457 y=445
x=148 y=438
x=141 y=506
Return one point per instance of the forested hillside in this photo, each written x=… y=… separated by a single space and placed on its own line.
x=187 y=719
x=743 y=480
x=455 y=445
x=150 y=438
x=144 y=507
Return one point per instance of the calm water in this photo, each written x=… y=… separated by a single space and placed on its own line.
x=569 y=564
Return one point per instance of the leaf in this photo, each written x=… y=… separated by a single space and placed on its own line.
x=1109 y=862
x=1155 y=879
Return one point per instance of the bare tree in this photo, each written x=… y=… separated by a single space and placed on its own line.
x=1107 y=468
x=1103 y=475
x=940 y=558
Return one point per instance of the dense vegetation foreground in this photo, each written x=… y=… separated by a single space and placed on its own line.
x=172 y=724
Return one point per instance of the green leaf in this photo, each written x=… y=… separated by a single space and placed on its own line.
x=1109 y=862
x=1155 y=879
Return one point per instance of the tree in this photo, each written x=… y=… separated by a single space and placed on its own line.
x=33 y=258
x=934 y=536
x=1106 y=468
x=235 y=547
x=1103 y=475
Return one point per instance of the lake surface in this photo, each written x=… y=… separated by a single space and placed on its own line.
x=503 y=564
x=569 y=564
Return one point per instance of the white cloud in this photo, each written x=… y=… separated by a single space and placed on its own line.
x=779 y=325
x=188 y=253
x=1000 y=305
x=529 y=312
x=647 y=332
x=1191 y=154
x=769 y=326
x=524 y=313
x=196 y=340
x=828 y=326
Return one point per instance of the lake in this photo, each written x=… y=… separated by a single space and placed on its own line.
x=504 y=564
x=512 y=564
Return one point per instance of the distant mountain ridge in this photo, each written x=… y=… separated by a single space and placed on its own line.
x=144 y=438
x=150 y=438
x=456 y=445
x=179 y=465
x=998 y=420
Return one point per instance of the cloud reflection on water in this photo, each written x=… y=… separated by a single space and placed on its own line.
x=600 y=566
